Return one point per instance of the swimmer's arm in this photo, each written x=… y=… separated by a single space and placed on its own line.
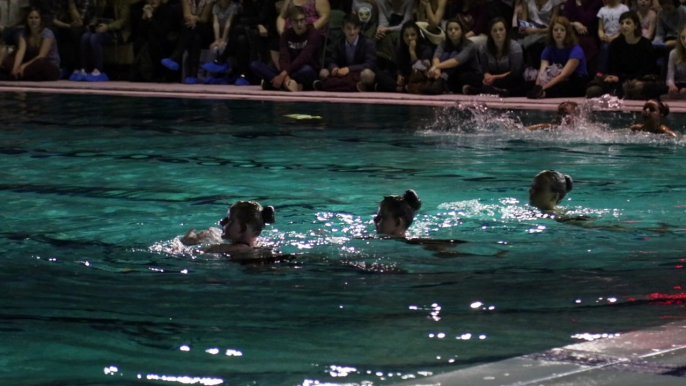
x=210 y=235
x=667 y=131
x=636 y=127
x=540 y=126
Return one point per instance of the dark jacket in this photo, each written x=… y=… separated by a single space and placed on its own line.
x=296 y=50
x=365 y=55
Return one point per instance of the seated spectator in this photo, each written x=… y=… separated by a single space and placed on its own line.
x=567 y=113
x=223 y=13
x=648 y=18
x=317 y=13
x=194 y=36
x=538 y=14
x=431 y=12
x=473 y=14
x=36 y=57
x=631 y=58
x=414 y=56
x=502 y=63
x=299 y=54
x=110 y=25
x=368 y=14
x=676 y=69
x=252 y=33
x=670 y=19
x=352 y=63
x=454 y=65
x=153 y=42
x=654 y=111
x=393 y=14
x=12 y=19
x=563 y=65
x=608 y=30
x=583 y=14
x=68 y=26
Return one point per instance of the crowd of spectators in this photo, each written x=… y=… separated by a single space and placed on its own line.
x=536 y=48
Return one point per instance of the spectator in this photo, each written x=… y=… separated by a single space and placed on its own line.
x=473 y=14
x=431 y=12
x=109 y=25
x=563 y=65
x=631 y=58
x=68 y=27
x=583 y=14
x=670 y=19
x=608 y=30
x=648 y=18
x=502 y=62
x=36 y=58
x=454 y=63
x=194 y=36
x=153 y=42
x=317 y=13
x=676 y=69
x=12 y=17
x=413 y=53
x=368 y=14
x=538 y=15
x=352 y=63
x=300 y=48
x=253 y=32
x=393 y=14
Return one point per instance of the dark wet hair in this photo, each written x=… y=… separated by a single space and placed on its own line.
x=564 y=107
x=252 y=213
x=663 y=107
x=296 y=10
x=634 y=17
x=560 y=183
x=490 y=43
x=403 y=206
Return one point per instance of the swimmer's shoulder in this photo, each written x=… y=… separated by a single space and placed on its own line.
x=542 y=126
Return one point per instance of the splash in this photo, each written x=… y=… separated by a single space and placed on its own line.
x=600 y=121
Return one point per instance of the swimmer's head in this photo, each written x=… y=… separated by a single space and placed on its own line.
x=396 y=213
x=548 y=189
x=245 y=220
x=567 y=111
x=654 y=109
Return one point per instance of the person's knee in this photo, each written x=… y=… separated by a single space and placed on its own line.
x=95 y=40
x=324 y=73
x=367 y=76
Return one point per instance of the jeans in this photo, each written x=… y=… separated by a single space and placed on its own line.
x=92 y=51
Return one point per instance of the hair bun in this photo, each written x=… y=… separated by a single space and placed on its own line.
x=569 y=182
x=269 y=215
x=412 y=199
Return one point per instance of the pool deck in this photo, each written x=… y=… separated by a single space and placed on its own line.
x=651 y=357
x=199 y=91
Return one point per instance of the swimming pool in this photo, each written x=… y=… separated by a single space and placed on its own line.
x=96 y=291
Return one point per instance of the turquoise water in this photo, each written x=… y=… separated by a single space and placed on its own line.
x=96 y=289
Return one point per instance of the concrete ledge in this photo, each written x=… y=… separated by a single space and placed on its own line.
x=176 y=90
x=653 y=357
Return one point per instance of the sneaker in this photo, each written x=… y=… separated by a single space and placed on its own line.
x=170 y=64
x=293 y=86
x=78 y=76
x=96 y=76
x=216 y=67
x=361 y=87
x=318 y=85
x=241 y=82
x=190 y=80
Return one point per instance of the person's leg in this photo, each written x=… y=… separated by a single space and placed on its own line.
x=305 y=76
x=86 y=50
x=263 y=71
x=385 y=82
x=97 y=42
x=603 y=58
x=41 y=70
x=367 y=77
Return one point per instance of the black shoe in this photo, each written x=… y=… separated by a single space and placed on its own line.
x=437 y=87
x=469 y=90
x=318 y=85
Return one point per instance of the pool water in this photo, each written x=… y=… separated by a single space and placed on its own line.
x=97 y=290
